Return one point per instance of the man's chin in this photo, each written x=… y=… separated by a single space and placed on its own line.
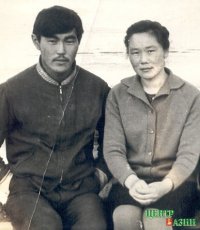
x=62 y=70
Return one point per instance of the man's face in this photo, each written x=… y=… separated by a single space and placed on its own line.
x=147 y=56
x=58 y=52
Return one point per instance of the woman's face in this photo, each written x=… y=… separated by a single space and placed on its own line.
x=146 y=55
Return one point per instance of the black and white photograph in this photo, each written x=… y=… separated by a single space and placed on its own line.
x=100 y=115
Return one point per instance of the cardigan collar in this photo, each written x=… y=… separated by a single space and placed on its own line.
x=49 y=79
x=135 y=87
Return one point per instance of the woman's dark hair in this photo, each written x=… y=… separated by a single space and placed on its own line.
x=155 y=28
x=57 y=20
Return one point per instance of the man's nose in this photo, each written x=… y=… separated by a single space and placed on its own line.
x=61 y=48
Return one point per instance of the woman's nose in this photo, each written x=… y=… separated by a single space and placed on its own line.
x=143 y=58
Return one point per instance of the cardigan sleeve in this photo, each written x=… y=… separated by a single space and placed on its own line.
x=3 y=128
x=189 y=147
x=114 y=141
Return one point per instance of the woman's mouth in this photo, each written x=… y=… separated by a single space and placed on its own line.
x=146 y=69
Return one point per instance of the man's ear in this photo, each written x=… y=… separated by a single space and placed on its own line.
x=35 y=41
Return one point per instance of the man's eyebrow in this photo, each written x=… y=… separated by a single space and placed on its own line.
x=67 y=37
x=71 y=37
x=148 y=47
x=52 y=36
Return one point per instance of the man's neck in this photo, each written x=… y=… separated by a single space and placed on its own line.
x=58 y=77
x=58 y=80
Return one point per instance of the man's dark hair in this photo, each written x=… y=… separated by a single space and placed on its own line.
x=57 y=20
x=155 y=28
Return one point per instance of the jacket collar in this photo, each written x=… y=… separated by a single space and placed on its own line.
x=135 y=87
x=47 y=78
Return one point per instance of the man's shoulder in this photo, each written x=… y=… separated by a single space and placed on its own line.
x=24 y=75
x=90 y=77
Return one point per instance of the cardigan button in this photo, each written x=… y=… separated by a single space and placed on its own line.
x=151 y=131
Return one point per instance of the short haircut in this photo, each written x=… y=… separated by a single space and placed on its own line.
x=155 y=28
x=57 y=20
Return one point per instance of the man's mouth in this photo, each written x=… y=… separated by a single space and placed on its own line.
x=147 y=69
x=61 y=60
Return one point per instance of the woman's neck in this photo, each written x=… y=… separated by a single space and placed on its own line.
x=153 y=85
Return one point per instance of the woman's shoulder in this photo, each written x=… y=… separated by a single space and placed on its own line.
x=119 y=91
x=177 y=82
x=187 y=88
x=124 y=84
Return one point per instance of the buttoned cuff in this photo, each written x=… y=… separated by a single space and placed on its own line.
x=131 y=180
x=167 y=177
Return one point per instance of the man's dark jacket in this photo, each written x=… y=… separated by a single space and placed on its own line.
x=49 y=133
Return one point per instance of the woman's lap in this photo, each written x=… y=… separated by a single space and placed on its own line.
x=182 y=200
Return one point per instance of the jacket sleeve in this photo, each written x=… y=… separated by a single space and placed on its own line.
x=100 y=162
x=3 y=128
x=115 y=142
x=189 y=147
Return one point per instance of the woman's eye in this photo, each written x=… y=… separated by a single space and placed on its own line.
x=134 y=53
x=151 y=51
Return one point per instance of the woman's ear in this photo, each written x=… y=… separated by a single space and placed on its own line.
x=166 y=53
x=35 y=41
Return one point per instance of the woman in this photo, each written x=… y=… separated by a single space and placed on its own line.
x=151 y=142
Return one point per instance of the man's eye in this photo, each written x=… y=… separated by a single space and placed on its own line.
x=52 y=41
x=70 y=41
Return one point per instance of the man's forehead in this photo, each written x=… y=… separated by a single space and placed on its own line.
x=71 y=34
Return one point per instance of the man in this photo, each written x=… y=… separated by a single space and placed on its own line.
x=48 y=116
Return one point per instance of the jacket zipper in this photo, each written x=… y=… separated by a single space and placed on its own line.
x=61 y=177
x=60 y=90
